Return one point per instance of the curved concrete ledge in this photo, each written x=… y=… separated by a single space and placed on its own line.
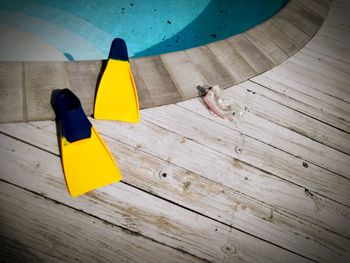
x=25 y=87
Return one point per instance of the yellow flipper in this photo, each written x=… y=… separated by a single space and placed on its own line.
x=86 y=160
x=88 y=164
x=117 y=95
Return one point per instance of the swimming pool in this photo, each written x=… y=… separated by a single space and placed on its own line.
x=83 y=30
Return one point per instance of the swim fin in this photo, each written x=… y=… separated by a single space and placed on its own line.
x=116 y=97
x=86 y=160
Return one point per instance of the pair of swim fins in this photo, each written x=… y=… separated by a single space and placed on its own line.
x=86 y=160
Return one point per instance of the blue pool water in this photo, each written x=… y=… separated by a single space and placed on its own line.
x=83 y=30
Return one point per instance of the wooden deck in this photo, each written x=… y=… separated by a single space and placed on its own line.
x=272 y=186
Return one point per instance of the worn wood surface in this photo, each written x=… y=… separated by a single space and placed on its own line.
x=271 y=186
x=221 y=201
x=43 y=230
x=11 y=92
x=167 y=78
x=156 y=219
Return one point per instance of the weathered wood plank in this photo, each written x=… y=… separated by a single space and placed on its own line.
x=302 y=102
x=145 y=100
x=254 y=57
x=83 y=79
x=209 y=198
x=289 y=29
x=331 y=86
x=13 y=106
x=325 y=65
x=172 y=148
x=46 y=229
x=329 y=74
x=210 y=67
x=331 y=47
x=289 y=118
x=184 y=73
x=258 y=154
x=322 y=47
x=338 y=18
x=336 y=65
x=232 y=60
x=279 y=38
x=275 y=136
x=339 y=32
x=318 y=7
x=342 y=5
x=40 y=79
x=157 y=80
x=302 y=17
x=330 y=103
x=265 y=45
x=156 y=218
x=13 y=251
x=34 y=228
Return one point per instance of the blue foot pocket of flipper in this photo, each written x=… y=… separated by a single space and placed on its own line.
x=74 y=124
x=118 y=50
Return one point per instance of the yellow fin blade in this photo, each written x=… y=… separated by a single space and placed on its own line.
x=88 y=164
x=117 y=94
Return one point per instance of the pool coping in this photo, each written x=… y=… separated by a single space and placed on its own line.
x=25 y=87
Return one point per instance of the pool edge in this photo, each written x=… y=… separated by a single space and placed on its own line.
x=168 y=78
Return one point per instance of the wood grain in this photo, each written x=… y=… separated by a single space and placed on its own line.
x=41 y=79
x=172 y=148
x=289 y=29
x=303 y=18
x=145 y=100
x=179 y=65
x=83 y=78
x=265 y=45
x=262 y=106
x=254 y=57
x=232 y=60
x=276 y=137
x=156 y=219
x=35 y=228
x=159 y=84
x=288 y=45
x=210 y=67
x=318 y=7
x=12 y=92
x=215 y=200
